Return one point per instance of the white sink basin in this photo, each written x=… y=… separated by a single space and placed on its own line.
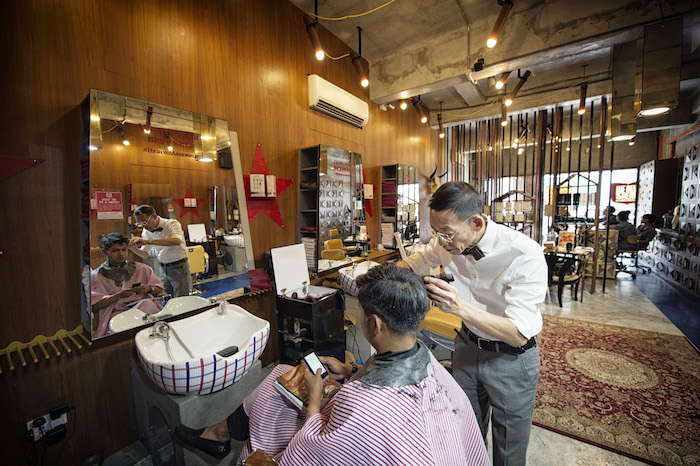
x=136 y=318
x=347 y=276
x=223 y=348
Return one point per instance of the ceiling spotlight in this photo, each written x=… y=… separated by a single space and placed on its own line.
x=439 y=118
x=313 y=35
x=582 y=100
x=520 y=150
x=631 y=143
x=506 y=5
x=419 y=109
x=504 y=115
x=147 y=127
x=123 y=138
x=403 y=105
x=364 y=82
x=358 y=66
x=502 y=80
x=511 y=97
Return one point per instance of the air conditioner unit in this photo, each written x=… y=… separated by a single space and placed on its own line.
x=330 y=99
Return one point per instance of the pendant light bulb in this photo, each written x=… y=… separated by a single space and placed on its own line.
x=441 y=134
x=313 y=36
x=403 y=105
x=582 y=100
x=505 y=9
x=502 y=80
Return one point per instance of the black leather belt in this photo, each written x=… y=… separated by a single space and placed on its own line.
x=170 y=264
x=496 y=346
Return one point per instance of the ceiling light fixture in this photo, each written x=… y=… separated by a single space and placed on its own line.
x=419 y=108
x=442 y=129
x=661 y=67
x=631 y=141
x=582 y=99
x=504 y=115
x=506 y=5
x=364 y=82
x=313 y=35
x=511 y=97
x=149 y=114
x=123 y=138
x=502 y=80
x=403 y=105
x=170 y=143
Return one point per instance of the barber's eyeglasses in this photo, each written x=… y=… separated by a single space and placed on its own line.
x=144 y=223
x=445 y=237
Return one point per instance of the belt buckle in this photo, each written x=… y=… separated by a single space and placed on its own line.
x=479 y=340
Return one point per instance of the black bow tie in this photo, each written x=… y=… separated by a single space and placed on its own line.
x=157 y=229
x=475 y=252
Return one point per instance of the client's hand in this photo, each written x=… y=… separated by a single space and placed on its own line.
x=142 y=289
x=314 y=385
x=125 y=293
x=336 y=369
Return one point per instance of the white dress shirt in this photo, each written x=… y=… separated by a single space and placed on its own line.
x=166 y=254
x=510 y=280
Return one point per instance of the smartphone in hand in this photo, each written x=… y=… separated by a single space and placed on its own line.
x=314 y=363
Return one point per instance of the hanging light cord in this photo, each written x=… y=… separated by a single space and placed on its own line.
x=337 y=58
x=352 y=16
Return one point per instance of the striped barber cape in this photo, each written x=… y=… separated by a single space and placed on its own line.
x=427 y=423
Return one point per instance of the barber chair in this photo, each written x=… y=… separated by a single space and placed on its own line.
x=199 y=263
x=440 y=328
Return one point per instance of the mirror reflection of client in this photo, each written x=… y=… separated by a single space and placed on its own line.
x=118 y=282
x=401 y=407
x=163 y=239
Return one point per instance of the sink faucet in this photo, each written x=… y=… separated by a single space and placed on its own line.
x=221 y=310
x=162 y=330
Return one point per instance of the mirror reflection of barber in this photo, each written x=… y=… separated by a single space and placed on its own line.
x=164 y=239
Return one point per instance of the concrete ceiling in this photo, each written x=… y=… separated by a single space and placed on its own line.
x=428 y=48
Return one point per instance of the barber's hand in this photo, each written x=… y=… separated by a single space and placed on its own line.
x=314 y=385
x=137 y=242
x=443 y=295
x=336 y=370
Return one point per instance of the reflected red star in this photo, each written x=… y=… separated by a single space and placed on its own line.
x=188 y=210
x=266 y=205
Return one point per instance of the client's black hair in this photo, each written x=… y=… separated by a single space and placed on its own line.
x=110 y=239
x=650 y=217
x=397 y=295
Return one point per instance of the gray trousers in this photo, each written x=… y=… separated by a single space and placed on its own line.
x=176 y=279
x=503 y=387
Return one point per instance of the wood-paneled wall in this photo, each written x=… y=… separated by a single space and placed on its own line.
x=242 y=61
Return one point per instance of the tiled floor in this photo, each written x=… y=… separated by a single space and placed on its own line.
x=626 y=302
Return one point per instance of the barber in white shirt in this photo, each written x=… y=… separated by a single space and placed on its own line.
x=164 y=239
x=500 y=281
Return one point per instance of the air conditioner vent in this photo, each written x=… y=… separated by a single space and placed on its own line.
x=330 y=99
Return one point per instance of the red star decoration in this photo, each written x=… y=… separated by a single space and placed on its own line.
x=266 y=205
x=187 y=210
x=368 y=204
x=12 y=165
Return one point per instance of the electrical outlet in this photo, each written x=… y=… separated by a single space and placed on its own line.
x=37 y=428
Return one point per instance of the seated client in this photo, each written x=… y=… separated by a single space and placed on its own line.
x=647 y=230
x=118 y=282
x=401 y=407
x=626 y=229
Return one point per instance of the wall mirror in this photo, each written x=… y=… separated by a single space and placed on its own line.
x=187 y=166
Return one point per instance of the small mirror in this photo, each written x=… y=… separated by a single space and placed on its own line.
x=182 y=164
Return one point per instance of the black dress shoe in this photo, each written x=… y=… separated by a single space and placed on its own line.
x=192 y=438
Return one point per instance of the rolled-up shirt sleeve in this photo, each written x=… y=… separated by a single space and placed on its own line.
x=424 y=260
x=526 y=291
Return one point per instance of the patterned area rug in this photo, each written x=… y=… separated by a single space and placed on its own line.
x=630 y=391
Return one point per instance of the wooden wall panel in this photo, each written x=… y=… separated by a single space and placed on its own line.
x=242 y=61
